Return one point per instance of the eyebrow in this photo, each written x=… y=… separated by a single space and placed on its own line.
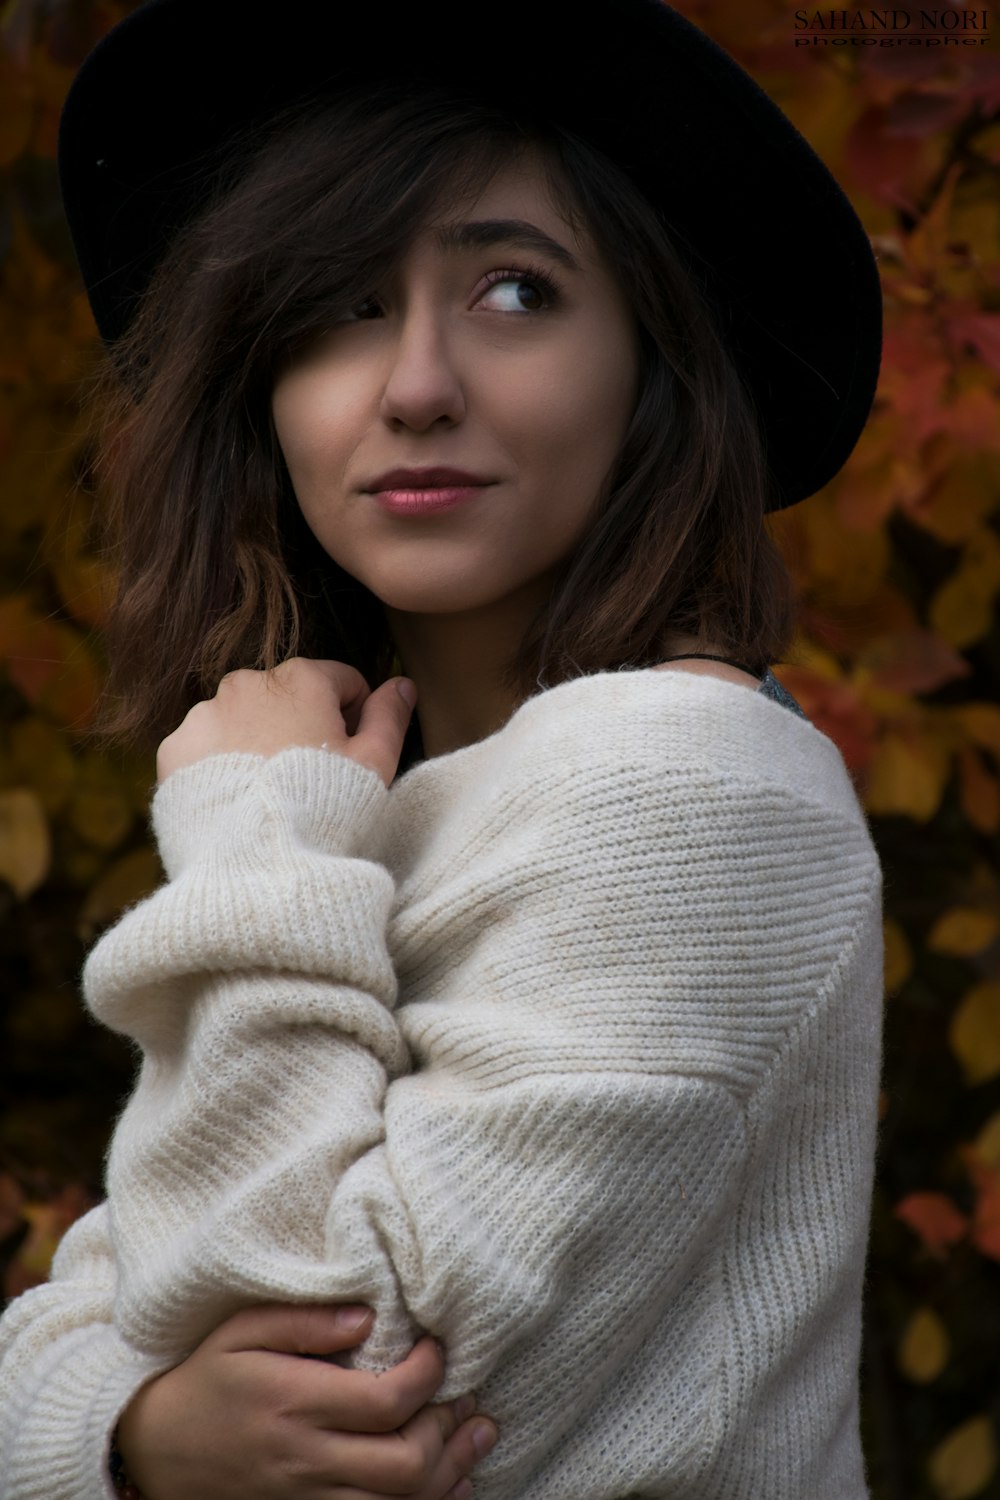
x=477 y=233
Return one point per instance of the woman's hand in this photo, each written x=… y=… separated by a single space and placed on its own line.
x=247 y=1417
x=325 y=704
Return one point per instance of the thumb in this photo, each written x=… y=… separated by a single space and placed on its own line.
x=385 y=715
x=287 y=1329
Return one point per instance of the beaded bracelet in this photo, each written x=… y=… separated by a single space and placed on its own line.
x=116 y=1467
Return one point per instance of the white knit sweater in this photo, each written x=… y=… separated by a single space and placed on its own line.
x=565 y=1048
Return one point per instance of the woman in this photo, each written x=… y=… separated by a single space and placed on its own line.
x=545 y=1021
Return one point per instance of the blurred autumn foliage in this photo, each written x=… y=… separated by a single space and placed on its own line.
x=897 y=565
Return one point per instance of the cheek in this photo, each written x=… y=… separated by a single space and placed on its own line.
x=316 y=421
x=579 y=415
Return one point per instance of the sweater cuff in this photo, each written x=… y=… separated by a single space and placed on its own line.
x=59 y=1429
x=330 y=802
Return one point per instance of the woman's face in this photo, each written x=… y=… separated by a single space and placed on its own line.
x=502 y=347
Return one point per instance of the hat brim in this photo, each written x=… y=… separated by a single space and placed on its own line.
x=763 y=224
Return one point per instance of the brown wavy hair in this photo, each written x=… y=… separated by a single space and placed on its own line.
x=216 y=568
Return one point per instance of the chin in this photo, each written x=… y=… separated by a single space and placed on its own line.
x=442 y=595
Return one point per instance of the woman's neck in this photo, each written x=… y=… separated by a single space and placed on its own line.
x=457 y=660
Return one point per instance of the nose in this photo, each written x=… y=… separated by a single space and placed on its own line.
x=423 y=386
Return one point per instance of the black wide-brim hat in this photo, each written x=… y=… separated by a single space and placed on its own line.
x=765 y=228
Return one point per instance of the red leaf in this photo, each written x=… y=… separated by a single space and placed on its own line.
x=985 y=1231
x=981 y=330
x=882 y=164
x=916 y=661
x=934 y=1218
x=837 y=711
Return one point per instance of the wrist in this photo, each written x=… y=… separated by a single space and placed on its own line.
x=245 y=807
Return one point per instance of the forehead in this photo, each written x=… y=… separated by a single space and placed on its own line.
x=529 y=191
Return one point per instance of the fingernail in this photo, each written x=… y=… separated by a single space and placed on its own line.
x=463 y=1489
x=350 y=1318
x=484 y=1435
x=464 y=1407
x=407 y=690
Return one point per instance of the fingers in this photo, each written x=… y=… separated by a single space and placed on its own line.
x=287 y=1329
x=358 y=1401
x=425 y=1460
x=382 y=724
x=346 y=681
x=331 y=1397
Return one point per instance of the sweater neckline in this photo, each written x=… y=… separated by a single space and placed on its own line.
x=428 y=770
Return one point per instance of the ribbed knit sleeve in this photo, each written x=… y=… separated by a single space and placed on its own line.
x=66 y=1374
x=258 y=986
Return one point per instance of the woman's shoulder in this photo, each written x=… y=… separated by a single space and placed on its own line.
x=768 y=685
x=673 y=735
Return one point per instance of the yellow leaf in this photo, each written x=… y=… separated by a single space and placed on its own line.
x=805 y=653
x=45 y=1231
x=898 y=958
x=964 y=930
x=100 y=810
x=40 y=759
x=924 y=1347
x=85 y=582
x=906 y=776
x=101 y=815
x=974 y=1032
x=128 y=880
x=981 y=722
x=962 y=608
x=848 y=562
x=964 y=1463
x=25 y=846
x=978 y=791
x=987 y=1142
x=960 y=503
x=975 y=220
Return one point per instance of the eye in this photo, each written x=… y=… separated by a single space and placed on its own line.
x=369 y=308
x=519 y=291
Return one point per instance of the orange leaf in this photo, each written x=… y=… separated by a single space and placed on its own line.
x=48 y=663
x=964 y=930
x=985 y=1175
x=48 y=1223
x=978 y=791
x=128 y=880
x=981 y=722
x=898 y=960
x=934 y=1218
x=915 y=661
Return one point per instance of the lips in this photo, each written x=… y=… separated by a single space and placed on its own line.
x=424 y=479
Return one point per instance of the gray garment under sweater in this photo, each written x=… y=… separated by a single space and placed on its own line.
x=772 y=688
